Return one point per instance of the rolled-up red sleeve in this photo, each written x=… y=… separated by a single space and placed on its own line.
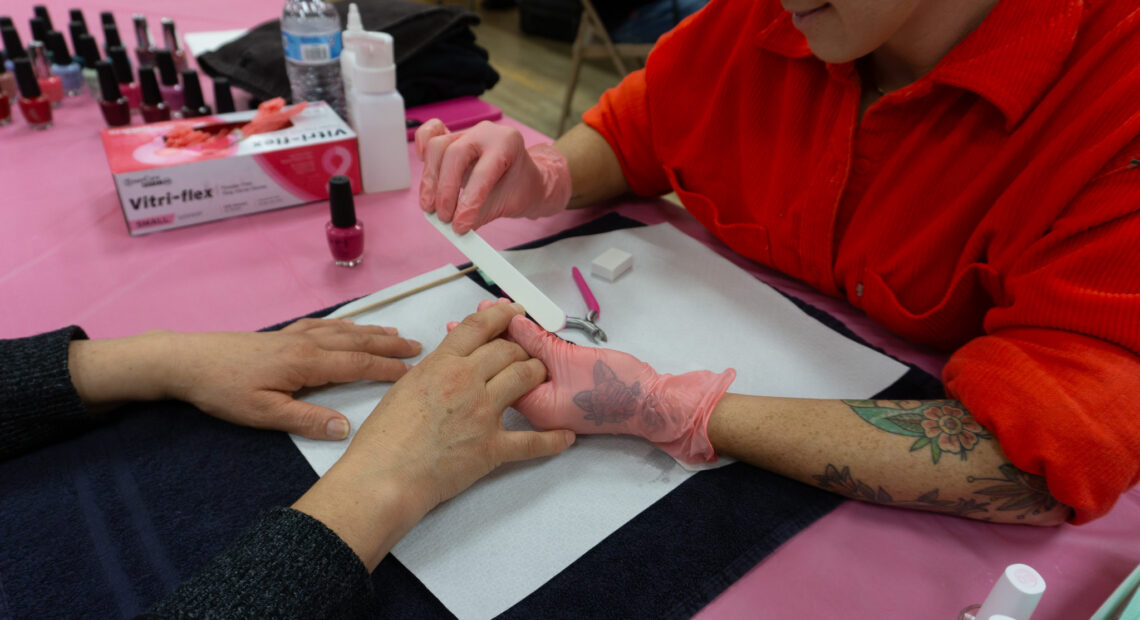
x=1056 y=378
x=622 y=117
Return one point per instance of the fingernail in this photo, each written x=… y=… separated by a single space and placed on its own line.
x=517 y=307
x=502 y=300
x=336 y=429
x=408 y=366
x=391 y=330
x=570 y=437
x=415 y=343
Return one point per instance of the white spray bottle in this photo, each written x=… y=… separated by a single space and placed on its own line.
x=377 y=114
x=348 y=53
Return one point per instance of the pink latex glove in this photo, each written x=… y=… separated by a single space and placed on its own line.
x=592 y=390
x=475 y=176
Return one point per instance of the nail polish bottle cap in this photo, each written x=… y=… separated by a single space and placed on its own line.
x=170 y=35
x=87 y=48
x=12 y=43
x=59 y=54
x=111 y=36
x=192 y=90
x=77 y=29
x=108 y=84
x=223 y=96
x=150 y=93
x=6 y=22
x=3 y=59
x=26 y=79
x=1015 y=594
x=166 y=67
x=107 y=17
x=76 y=15
x=42 y=13
x=341 y=206
x=39 y=29
x=142 y=33
x=122 y=64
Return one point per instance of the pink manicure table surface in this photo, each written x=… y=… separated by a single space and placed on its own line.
x=66 y=258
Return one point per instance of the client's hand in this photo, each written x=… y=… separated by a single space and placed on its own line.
x=605 y=391
x=244 y=378
x=436 y=431
x=475 y=176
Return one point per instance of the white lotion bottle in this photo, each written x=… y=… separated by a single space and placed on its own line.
x=377 y=114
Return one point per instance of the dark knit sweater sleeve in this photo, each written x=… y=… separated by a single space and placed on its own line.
x=289 y=565
x=38 y=403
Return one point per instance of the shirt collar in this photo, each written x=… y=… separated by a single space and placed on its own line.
x=1010 y=59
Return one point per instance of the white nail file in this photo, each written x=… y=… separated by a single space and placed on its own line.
x=540 y=307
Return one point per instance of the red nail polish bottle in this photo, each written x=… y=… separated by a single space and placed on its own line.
x=5 y=110
x=345 y=233
x=51 y=85
x=153 y=109
x=116 y=110
x=125 y=77
x=33 y=104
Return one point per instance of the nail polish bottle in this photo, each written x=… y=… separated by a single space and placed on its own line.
x=223 y=96
x=12 y=46
x=42 y=13
x=123 y=73
x=345 y=233
x=33 y=104
x=153 y=109
x=194 y=105
x=5 y=108
x=76 y=15
x=116 y=110
x=77 y=29
x=38 y=29
x=170 y=37
x=146 y=49
x=51 y=85
x=168 y=82
x=87 y=49
x=64 y=66
x=7 y=80
x=111 y=38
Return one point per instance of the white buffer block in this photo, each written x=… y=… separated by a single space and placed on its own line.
x=611 y=264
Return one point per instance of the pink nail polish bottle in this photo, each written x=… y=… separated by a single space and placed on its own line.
x=345 y=233
x=125 y=76
x=51 y=85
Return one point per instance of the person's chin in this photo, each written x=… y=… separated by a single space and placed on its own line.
x=828 y=51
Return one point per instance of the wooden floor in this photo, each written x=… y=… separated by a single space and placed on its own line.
x=534 y=72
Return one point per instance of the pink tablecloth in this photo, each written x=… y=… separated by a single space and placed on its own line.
x=65 y=257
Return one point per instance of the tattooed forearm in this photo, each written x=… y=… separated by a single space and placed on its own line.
x=941 y=425
x=1017 y=491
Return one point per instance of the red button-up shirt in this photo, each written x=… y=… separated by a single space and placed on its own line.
x=991 y=208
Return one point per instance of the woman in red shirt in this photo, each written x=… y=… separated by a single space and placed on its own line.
x=967 y=173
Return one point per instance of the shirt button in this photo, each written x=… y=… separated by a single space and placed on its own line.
x=859 y=289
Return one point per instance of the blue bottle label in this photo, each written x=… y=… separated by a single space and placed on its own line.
x=312 y=49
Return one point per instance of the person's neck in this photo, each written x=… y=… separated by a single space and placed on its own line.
x=927 y=36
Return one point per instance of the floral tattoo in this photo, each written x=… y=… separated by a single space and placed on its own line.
x=943 y=425
x=841 y=482
x=611 y=400
x=1018 y=491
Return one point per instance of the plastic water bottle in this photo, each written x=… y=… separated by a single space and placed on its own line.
x=310 y=32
